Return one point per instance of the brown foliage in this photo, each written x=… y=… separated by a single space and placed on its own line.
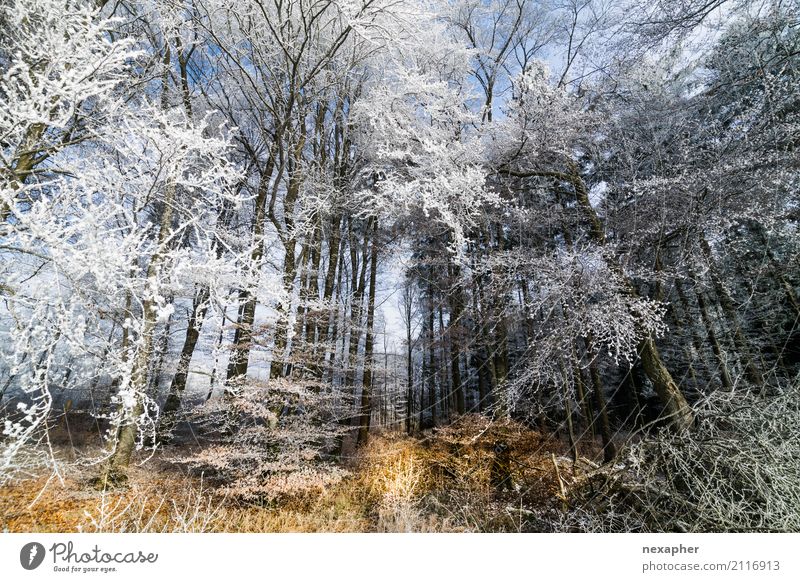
x=447 y=480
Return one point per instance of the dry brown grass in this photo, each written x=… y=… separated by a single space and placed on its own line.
x=447 y=480
x=455 y=479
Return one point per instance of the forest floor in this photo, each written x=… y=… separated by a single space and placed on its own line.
x=475 y=475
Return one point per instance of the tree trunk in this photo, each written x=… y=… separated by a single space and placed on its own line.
x=573 y=443
x=116 y=467
x=161 y=354
x=697 y=344
x=366 y=387
x=178 y=384
x=725 y=376
x=280 y=345
x=676 y=409
x=243 y=335
x=356 y=309
x=609 y=449
x=752 y=371
x=430 y=369
x=408 y=305
x=456 y=338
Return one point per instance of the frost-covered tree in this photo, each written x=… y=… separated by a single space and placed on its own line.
x=96 y=188
x=207 y=207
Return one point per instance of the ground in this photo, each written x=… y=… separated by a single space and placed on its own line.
x=475 y=475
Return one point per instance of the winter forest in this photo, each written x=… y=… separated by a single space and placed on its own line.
x=399 y=265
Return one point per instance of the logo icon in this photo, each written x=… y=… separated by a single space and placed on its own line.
x=31 y=555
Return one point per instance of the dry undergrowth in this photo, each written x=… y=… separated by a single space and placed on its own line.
x=475 y=475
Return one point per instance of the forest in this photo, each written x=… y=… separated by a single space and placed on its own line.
x=399 y=265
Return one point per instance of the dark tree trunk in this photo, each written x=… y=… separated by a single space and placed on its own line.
x=243 y=335
x=178 y=384
x=752 y=371
x=609 y=449
x=725 y=376
x=430 y=370
x=366 y=388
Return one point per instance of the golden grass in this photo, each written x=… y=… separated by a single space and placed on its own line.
x=444 y=481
